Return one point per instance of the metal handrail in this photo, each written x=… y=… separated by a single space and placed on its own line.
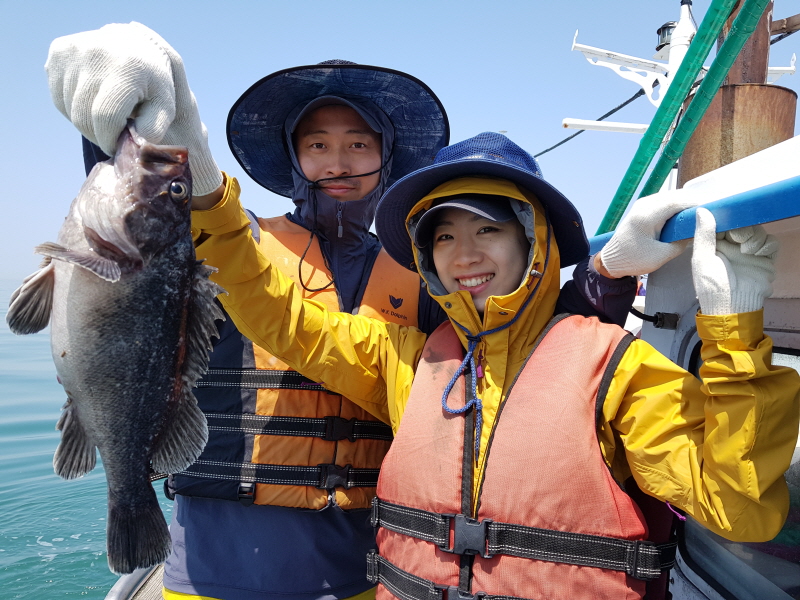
x=698 y=51
x=743 y=27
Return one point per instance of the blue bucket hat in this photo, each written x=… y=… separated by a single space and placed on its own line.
x=485 y=155
x=256 y=122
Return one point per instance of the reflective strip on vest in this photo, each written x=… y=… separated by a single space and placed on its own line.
x=544 y=473
x=324 y=477
x=332 y=429
x=258 y=379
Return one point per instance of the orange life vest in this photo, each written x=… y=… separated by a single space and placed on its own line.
x=302 y=443
x=551 y=520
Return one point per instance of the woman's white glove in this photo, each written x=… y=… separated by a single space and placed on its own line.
x=732 y=272
x=634 y=249
x=98 y=79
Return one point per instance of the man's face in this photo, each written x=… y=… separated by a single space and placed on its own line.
x=482 y=257
x=334 y=141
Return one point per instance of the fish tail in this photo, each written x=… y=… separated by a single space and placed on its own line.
x=137 y=535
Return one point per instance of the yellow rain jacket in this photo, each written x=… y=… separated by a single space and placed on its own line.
x=717 y=449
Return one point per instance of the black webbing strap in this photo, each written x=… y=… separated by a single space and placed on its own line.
x=406 y=586
x=326 y=428
x=322 y=476
x=640 y=559
x=258 y=379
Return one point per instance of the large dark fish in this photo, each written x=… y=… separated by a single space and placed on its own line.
x=132 y=314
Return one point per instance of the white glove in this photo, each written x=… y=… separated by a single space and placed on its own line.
x=634 y=248
x=98 y=79
x=732 y=272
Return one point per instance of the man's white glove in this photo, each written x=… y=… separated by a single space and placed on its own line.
x=732 y=272
x=634 y=248
x=98 y=79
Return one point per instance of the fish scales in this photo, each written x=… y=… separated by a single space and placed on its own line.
x=131 y=313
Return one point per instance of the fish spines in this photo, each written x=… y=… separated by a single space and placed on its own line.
x=186 y=432
x=137 y=535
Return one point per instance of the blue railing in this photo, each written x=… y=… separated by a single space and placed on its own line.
x=773 y=202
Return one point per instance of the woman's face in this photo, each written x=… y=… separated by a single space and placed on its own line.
x=483 y=257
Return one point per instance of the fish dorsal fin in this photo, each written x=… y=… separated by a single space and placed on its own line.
x=185 y=433
x=75 y=455
x=104 y=268
x=31 y=303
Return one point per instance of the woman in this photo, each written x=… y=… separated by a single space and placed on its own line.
x=530 y=505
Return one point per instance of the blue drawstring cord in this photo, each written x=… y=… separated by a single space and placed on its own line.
x=473 y=343
x=475 y=401
x=469 y=359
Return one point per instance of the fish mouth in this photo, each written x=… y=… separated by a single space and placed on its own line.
x=133 y=149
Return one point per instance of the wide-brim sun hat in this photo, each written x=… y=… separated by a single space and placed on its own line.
x=485 y=155
x=256 y=121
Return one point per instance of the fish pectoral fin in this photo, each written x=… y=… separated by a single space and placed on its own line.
x=31 y=303
x=104 y=268
x=75 y=455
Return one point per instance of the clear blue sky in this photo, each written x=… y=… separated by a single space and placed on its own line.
x=496 y=65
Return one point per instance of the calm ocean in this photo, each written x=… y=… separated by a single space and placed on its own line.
x=52 y=532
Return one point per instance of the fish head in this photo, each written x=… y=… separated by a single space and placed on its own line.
x=137 y=203
x=160 y=185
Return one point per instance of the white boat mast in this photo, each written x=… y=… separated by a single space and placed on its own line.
x=653 y=76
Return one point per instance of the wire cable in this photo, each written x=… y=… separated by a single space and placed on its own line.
x=608 y=114
x=783 y=36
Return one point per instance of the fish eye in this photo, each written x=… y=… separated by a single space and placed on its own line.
x=178 y=190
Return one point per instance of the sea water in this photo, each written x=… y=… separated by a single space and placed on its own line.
x=52 y=532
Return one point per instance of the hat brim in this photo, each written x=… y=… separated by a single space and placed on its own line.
x=255 y=125
x=397 y=202
x=492 y=208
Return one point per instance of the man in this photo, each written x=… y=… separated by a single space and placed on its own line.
x=277 y=505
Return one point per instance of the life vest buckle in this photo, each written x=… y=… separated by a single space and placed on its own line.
x=332 y=476
x=247 y=493
x=339 y=428
x=469 y=536
x=453 y=593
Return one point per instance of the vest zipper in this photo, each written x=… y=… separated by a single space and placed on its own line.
x=467 y=486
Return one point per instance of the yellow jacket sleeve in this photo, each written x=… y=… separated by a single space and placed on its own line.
x=370 y=362
x=716 y=448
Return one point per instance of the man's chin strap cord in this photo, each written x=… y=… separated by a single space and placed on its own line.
x=312 y=186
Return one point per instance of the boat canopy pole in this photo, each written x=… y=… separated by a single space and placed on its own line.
x=698 y=51
x=743 y=26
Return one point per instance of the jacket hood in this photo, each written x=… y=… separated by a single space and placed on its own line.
x=528 y=308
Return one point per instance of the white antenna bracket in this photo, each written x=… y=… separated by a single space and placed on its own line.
x=604 y=126
x=775 y=73
x=648 y=74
